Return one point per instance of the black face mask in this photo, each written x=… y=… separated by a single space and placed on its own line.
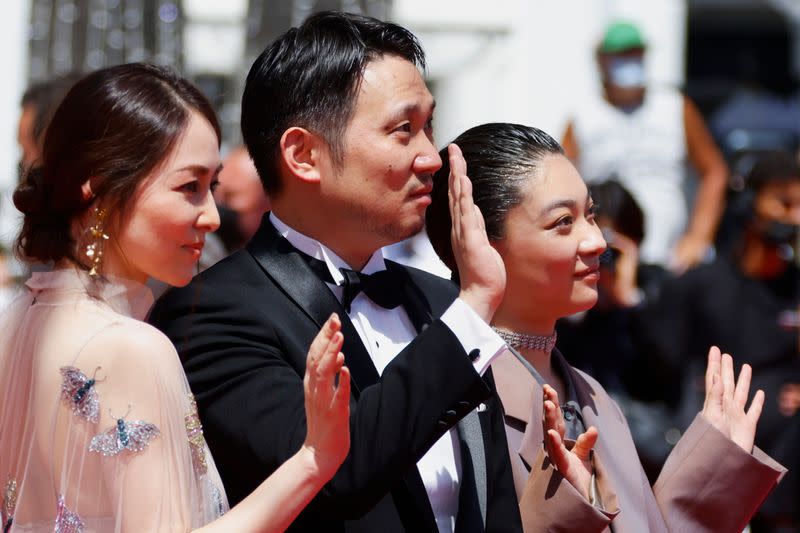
x=780 y=233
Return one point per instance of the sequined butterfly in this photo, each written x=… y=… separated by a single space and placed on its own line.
x=66 y=520
x=132 y=435
x=78 y=391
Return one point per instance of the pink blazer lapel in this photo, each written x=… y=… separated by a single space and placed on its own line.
x=617 y=453
x=521 y=396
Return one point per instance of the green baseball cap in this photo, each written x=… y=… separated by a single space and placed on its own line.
x=621 y=37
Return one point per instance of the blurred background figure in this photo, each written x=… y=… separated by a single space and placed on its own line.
x=746 y=302
x=38 y=103
x=644 y=134
x=241 y=194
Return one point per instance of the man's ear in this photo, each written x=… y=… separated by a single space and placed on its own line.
x=303 y=153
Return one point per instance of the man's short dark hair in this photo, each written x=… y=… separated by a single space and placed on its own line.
x=309 y=77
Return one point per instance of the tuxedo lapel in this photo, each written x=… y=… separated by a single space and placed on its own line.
x=284 y=264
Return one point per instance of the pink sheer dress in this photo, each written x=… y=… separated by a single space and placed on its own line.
x=98 y=428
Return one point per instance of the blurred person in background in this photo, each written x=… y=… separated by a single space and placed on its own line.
x=643 y=134
x=38 y=103
x=240 y=191
x=747 y=302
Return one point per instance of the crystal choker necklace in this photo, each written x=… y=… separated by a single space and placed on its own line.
x=543 y=343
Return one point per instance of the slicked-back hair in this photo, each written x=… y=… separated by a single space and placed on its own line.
x=501 y=159
x=309 y=77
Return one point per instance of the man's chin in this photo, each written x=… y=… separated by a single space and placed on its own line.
x=401 y=230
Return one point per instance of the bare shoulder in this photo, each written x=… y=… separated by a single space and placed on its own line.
x=131 y=345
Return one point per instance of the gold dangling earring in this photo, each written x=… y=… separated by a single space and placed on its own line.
x=94 y=250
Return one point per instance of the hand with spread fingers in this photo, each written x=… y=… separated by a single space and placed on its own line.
x=575 y=465
x=327 y=404
x=482 y=273
x=726 y=399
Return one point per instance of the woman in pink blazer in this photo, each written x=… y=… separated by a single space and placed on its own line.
x=574 y=461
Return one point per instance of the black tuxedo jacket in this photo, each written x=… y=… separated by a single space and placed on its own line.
x=243 y=328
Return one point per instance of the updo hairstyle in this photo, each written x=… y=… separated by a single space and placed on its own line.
x=114 y=127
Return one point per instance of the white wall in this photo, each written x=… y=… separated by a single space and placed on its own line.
x=14 y=44
x=528 y=60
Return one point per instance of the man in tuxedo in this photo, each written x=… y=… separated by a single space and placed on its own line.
x=337 y=119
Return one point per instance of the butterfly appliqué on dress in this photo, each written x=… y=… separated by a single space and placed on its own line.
x=79 y=392
x=66 y=520
x=133 y=435
x=9 y=505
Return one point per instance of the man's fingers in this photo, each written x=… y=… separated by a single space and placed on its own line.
x=465 y=203
x=743 y=387
x=454 y=191
x=458 y=165
x=585 y=443
x=479 y=219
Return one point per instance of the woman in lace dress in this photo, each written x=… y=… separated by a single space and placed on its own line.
x=98 y=428
x=540 y=219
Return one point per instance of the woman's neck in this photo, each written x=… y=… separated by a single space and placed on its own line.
x=518 y=322
x=521 y=322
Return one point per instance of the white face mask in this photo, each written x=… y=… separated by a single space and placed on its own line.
x=626 y=72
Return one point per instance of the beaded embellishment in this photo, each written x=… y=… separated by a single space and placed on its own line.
x=544 y=343
x=66 y=520
x=78 y=391
x=216 y=498
x=9 y=504
x=194 y=433
x=133 y=435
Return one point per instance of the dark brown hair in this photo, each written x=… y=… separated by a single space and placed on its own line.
x=114 y=127
x=500 y=158
x=309 y=77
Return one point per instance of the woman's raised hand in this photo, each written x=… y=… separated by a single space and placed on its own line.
x=575 y=465
x=327 y=404
x=480 y=267
x=726 y=399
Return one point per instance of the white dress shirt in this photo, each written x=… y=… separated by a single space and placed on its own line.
x=384 y=333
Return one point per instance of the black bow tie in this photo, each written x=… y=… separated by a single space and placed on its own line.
x=383 y=287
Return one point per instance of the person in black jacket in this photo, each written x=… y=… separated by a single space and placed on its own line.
x=338 y=121
x=748 y=302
